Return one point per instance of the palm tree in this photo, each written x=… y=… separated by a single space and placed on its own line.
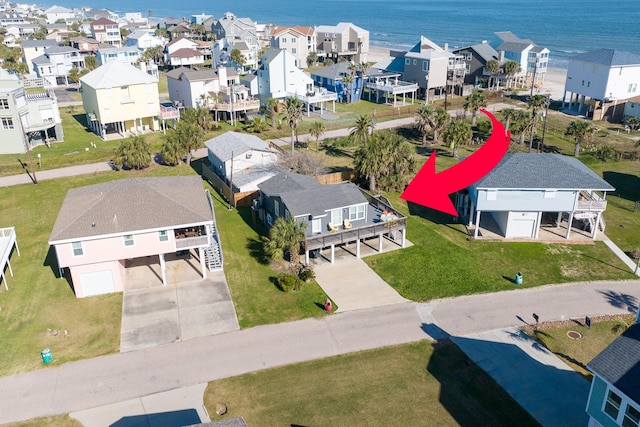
x=441 y=121
x=90 y=62
x=312 y=58
x=511 y=68
x=536 y=104
x=492 y=67
x=520 y=124
x=473 y=103
x=272 y=106
x=286 y=238
x=347 y=80
x=257 y=125
x=237 y=57
x=171 y=149
x=363 y=67
x=385 y=159
x=293 y=113
x=363 y=130
x=458 y=133
x=508 y=114
x=581 y=131
x=317 y=130
x=134 y=153
x=424 y=120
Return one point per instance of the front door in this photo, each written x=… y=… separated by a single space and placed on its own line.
x=316 y=225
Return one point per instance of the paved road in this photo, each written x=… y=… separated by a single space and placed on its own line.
x=99 y=381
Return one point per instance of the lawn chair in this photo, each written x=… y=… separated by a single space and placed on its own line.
x=346 y=224
x=332 y=228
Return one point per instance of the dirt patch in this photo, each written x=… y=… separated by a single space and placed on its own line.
x=572 y=322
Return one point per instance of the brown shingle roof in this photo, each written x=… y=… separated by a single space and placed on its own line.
x=185 y=52
x=132 y=204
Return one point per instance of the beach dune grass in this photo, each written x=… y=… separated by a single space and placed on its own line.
x=401 y=385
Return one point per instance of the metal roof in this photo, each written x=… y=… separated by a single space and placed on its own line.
x=608 y=57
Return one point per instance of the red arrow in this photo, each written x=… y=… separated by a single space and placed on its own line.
x=432 y=189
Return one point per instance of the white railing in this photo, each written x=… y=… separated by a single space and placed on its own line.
x=192 y=242
x=7 y=240
x=591 y=202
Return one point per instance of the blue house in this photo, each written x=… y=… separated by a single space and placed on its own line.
x=528 y=191
x=614 y=398
x=331 y=78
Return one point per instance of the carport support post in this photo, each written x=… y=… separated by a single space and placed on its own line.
x=538 y=221
x=202 y=264
x=379 y=243
x=595 y=229
x=163 y=269
x=559 y=220
x=358 y=248
x=404 y=236
x=475 y=232
x=333 y=249
x=569 y=224
x=306 y=256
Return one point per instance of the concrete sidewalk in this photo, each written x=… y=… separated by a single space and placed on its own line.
x=26 y=178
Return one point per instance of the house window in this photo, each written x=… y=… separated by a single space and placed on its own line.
x=356 y=212
x=294 y=50
x=415 y=62
x=467 y=68
x=286 y=214
x=163 y=236
x=77 y=248
x=294 y=40
x=276 y=208
x=631 y=417
x=407 y=61
x=425 y=65
x=7 y=123
x=316 y=225
x=612 y=405
x=336 y=216
x=284 y=40
x=633 y=87
x=128 y=240
x=4 y=104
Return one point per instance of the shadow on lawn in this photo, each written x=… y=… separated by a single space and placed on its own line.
x=256 y=250
x=51 y=261
x=627 y=186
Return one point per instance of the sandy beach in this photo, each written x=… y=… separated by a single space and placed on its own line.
x=553 y=81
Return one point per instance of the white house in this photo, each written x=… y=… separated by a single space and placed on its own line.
x=599 y=80
x=54 y=13
x=279 y=77
x=526 y=191
x=144 y=39
x=533 y=59
x=182 y=51
x=125 y=54
x=343 y=40
x=55 y=64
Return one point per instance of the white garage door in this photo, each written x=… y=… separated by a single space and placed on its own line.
x=521 y=228
x=97 y=283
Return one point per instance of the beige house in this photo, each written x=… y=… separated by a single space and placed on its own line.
x=120 y=100
x=344 y=40
x=298 y=41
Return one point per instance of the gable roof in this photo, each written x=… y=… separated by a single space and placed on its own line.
x=58 y=9
x=39 y=43
x=608 y=57
x=192 y=75
x=116 y=74
x=177 y=39
x=483 y=50
x=131 y=204
x=294 y=29
x=185 y=52
x=619 y=363
x=60 y=49
x=236 y=143
x=542 y=171
x=335 y=71
x=103 y=21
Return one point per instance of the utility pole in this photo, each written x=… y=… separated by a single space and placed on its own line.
x=544 y=125
x=535 y=70
x=231 y=184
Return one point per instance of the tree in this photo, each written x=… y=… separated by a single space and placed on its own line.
x=581 y=131
x=74 y=75
x=385 y=160
x=508 y=114
x=633 y=122
x=293 y=114
x=237 y=57
x=363 y=67
x=198 y=29
x=257 y=125
x=536 y=104
x=510 y=69
x=473 y=102
x=124 y=33
x=171 y=149
x=90 y=62
x=424 y=120
x=520 y=124
x=285 y=238
x=191 y=129
x=492 y=67
x=458 y=133
x=272 y=106
x=441 y=121
x=317 y=130
x=347 y=80
x=302 y=162
x=134 y=153
x=363 y=130
x=312 y=58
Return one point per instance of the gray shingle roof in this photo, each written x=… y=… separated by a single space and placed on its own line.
x=514 y=46
x=303 y=195
x=132 y=204
x=608 y=57
x=60 y=49
x=236 y=143
x=116 y=74
x=619 y=363
x=334 y=72
x=542 y=171
x=39 y=43
x=484 y=50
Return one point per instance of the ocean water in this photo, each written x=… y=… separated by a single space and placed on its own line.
x=566 y=27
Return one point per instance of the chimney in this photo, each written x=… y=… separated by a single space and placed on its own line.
x=501 y=56
x=222 y=76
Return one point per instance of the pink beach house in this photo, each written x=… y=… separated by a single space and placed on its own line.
x=101 y=226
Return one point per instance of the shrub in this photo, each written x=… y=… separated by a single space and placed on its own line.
x=288 y=282
x=306 y=273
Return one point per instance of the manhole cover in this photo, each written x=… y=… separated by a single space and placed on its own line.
x=574 y=335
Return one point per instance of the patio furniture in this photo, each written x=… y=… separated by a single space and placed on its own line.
x=346 y=224
x=332 y=228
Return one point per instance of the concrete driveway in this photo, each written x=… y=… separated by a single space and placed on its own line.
x=166 y=314
x=352 y=285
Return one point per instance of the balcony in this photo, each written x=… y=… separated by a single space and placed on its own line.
x=229 y=107
x=591 y=202
x=315 y=96
x=393 y=86
x=191 y=237
x=169 y=113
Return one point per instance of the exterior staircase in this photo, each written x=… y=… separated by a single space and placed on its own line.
x=213 y=253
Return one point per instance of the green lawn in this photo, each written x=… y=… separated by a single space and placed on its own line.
x=577 y=353
x=53 y=421
x=411 y=384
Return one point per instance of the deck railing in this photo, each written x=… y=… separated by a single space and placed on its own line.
x=355 y=233
x=192 y=242
x=591 y=202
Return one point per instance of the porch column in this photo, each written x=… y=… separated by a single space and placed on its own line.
x=4 y=279
x=404 y=237
x=358 y=248
x=163 y=270
x=471 y=212
x=595 y=230
x=306 y=256
x=559 y=220
x=333 y=247
x=202 y=263
x=333 y=103
x=569 y=224
x=475 y=232
x=379 y=243
x=538 y=221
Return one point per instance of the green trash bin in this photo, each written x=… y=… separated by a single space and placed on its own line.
x=518 y=278
x=46 y=355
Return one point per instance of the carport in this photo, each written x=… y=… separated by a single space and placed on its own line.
x=145 y=272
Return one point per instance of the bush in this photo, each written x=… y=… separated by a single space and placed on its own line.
x=288 y=282
x=305 y=273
